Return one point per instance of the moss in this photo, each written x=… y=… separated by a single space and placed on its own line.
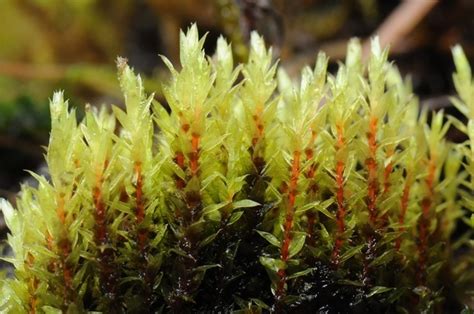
x=252 y=193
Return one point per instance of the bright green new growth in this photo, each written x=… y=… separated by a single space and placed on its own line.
x=334 y=186
x=465 y=104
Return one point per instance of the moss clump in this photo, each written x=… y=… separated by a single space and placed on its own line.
x=249 y=194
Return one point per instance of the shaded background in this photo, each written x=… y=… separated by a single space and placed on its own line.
x=46 y=45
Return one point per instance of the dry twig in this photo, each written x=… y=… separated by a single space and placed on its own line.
x=400 y=23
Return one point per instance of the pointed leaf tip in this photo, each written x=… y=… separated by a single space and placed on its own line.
x=122 y=63
x=375 y=46
x=7 y=210
x=246 y=203
x=257 y=43
x=57 y=105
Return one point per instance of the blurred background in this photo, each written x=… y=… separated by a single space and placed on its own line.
x=47 y=45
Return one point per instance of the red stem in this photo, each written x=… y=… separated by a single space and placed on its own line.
x=64 y=252
x=288 y=226
x=341 y=209
x=423 y=226
x=64 y=247
x=372 y=194
x=184 y=286
x=372 y=171
x=50 y=245
x=386 y=186
x=194 y=155
x=101 y=237
x=140 y=210
x=101 y=230
x=32 y=286
x=257 y=118
x=313 y=187
x=140 y=205
x=341 y=213
x=179 y=159
x=403 y=209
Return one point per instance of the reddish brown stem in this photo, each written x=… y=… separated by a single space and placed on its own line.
x=423 y=224
x=341 y=209
x=194 y=155
x=64 y=251
x=140 y=210
x=179 y=160
x=140 y=205
x=311 y=171
x=372 y=195
x=50 y=245
x=386 y=187
x=312 y=189
x=101 y=229
x=257 y=159
x=403 y=210
x=259 y=128
x=64 y=247
x=32 y=286
x=309 y=152
x=341 y=213
x=105 y=259
x=372 y=171
x=185 y=284
x=288 y=225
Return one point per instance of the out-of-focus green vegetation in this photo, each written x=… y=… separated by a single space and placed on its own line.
x=48 y=44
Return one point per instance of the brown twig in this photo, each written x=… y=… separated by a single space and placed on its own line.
x=400 y=23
